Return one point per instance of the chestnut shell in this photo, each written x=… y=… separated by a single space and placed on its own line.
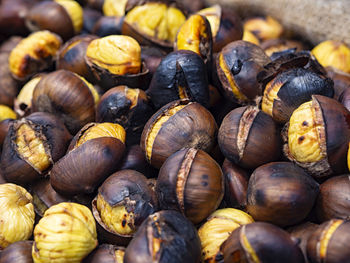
x=19 y=252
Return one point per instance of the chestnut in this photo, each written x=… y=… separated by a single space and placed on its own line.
x=108 y=25
x=344 y=98
x=67 y=95
x=177 y=125
x=92 y=156
x=249 y=137
x=90 y=18
x=238 y=65
x=317 y=136
x=152 y=56
x=181 y=74
x=19 y=252
x=131 y=108
x=191 y=6
x=250 y=37
x=115 y=8
x=260 y=242
x=264 y=27
x=271 y=46
x=327 y=243
x=164 y=237
x=123 y=202
x=191 y=182
x=65 y=17
x=106 y=253
x=31 y=146
x=4 y=127
x=281 y=193
x=341 y=81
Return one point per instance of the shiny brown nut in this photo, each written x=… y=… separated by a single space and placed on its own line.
x=249 y=137
x=264 y=27
x=226 y=26
x=341 y=81
x=90 y=17
x=106 y=253
x=181 y=74
x=260 y=242
x=123 y=202
x=177 y=125
x=31 y=146
x=92 y=156
x=191 y=182
x=131 y=108
x=238 y=65
x=65 y=17
x=271 y=46
x=281 y=193
x=236 y=185
x=108 y=25
x=344 y=98
x=68 y=96
x=152 y=56
x=326 y=244
x=4 y=127
x=164 y=237
x=20 y=252
x=334 y=199
x=318 y=136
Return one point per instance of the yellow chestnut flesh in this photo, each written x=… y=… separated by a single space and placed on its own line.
x=114 y=7
x=66 y=233
x=119 y=55
x=248 y=247
x=31 y=148
x=264 y=27
x=327 y=235
x=26 y=94
x=117 y=218
x=156 y=20
x=334 y=54
x=270 y=94
x=119 y=256
x=250 y=37
x=75 y=13
x=213 y=15
x=304 y=135
x=6 y=113
x=349 y=157
x=16 y=214
x=132 y=95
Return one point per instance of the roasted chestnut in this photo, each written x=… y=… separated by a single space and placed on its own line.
x=327 y=243
x=108 y=25
x=249 y=137
x=92 y=156
x=264 y=27
x=66 y=233
x=344 y=98
x=6 y=113
x=123 y=202
x=341 y=81
x=65 y=17
x=317 y=136
x=67 y=95
x=260 y=242
x=131 y=108
x=217 y=229
x=191 y=182
x=250 y=37
x=164 y=237
x=180 y=75
x=238 y=65
x=277 y=45
x=114 y=8
x=152 y=56
x=281 y=193
x=33 y=54
x=106 y=253
x=31 y=146
x=177 y=125
x=90 y=18
x=19 y=252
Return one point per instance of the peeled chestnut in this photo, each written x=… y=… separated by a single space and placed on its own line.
x=19 y=252
x=65 y=17
x=123 y=202
x=106 y=253
x=108 y=25
x=217 y=229
x=238 y=65
x=317 y=136
x=177 y=125
x=264 y=27
x=327 y=244
x=114 y=8
x=131 y=108
x=164 y=237
x=334 y=199
x=281 y=193
x=191 y=182
x=180 y=75
x=250 y=37
x=92 y=156
x=249 y=137
x=67 y=95
x=31 y=146
x=260 y=242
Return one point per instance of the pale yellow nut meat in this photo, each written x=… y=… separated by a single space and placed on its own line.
x=213 y=15
x=6 y=113
x=114 y=7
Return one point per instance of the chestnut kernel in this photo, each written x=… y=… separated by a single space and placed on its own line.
x=264 y=27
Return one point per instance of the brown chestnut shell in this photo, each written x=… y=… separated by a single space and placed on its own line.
x=105 y=253
x=19 y=252
x=108 y=25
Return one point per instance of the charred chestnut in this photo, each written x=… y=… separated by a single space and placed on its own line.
x=264 y=27
x=191 y=182
x=19 y=252
x=249 y=137
x=108 y=25
x=281 y=193
x=106 y=253
x=165 y=237
x=152 y=56
x=277 y=45
x=177 y=125
x=341 y=81
x=180 y=75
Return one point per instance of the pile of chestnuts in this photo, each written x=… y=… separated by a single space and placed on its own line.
x=168 y=131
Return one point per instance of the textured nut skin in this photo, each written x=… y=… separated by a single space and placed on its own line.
x=105 y=253
x=20 y=252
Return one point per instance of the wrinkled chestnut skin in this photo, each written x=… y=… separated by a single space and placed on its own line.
x=191 y=182
x=182 y=68
x=236 y=185
x=152 y=56
x=177 y=237
x=104 y=253
x=114 y=106
x=249 y=137
x=336 y=251
x=17 y=170
x=19 y=252
x=71 y=56
x=334 y=199
x=281 y=193
x=270 y=243
x=108 y=25
x=90 y=17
